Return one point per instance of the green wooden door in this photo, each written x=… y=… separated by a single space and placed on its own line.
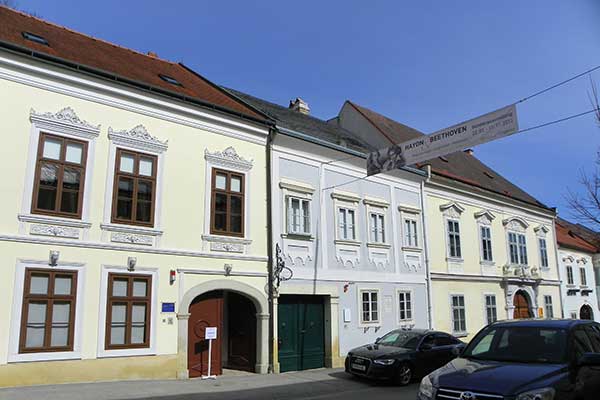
x=301 y=333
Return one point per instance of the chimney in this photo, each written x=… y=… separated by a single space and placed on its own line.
x=152 y=54
x=469 y=151
x=300 y=106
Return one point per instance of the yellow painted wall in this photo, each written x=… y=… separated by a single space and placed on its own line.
x=183 y=213
x=436 y=230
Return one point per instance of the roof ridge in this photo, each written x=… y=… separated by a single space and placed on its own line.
x=73 y=31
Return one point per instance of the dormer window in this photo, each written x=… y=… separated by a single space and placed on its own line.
x=170 y=80
x=35 y=38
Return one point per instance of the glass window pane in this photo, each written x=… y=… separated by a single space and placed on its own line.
x=146 y=166
x=138 y=313
x=144 y=190
x=119 y=288
x=236 y=205
x=60 y=324
x=125 y=196
x=48 y=182
x=74 y=153
x=127 y=162
x=140 y=288
x=70 y=195
x=220 y=202
x=221 y=182
x=52 y=148
x=138 y=335
x=236 y=223
x=62 y=285
x=143 y=212
x=220 y=222
x=117 y=334
x=236 y=184
x=36 y=319
x=38 y=284
x=119 y=313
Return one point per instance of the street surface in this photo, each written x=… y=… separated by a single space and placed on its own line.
x=315 y=384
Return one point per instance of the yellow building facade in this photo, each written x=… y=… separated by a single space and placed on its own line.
x=88 y=294
x=491 y=258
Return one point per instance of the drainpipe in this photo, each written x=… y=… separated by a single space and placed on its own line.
x=270 y=250
x=558 y=269
x=426 y=248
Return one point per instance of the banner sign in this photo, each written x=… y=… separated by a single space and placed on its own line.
x=488 y=127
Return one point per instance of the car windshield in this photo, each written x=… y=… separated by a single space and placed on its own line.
x=519 y=344
x=408 y=340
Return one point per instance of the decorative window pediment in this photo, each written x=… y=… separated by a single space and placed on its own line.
x=541 y=230
x=65 y=121
x=484 y=217
x=376 y=202
x=295 y=186
x=515 y=224
x=228 y=158
x=452 y=209
x=345 y=196
x=138 y=138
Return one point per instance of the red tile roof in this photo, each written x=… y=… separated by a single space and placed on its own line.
x=100 y=55
x=459 y=166
x=567 y=238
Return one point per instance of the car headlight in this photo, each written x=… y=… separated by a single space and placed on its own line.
x=537 y=394
x=426 y=388
x=384 y=362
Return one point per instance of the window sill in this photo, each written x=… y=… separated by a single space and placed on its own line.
x=127 y=352
x=460 y=334
x=131 y=229
x=487 y=263
x=298 y=236
x=412 y=249
x=44 y=356
x=379 y=245
x=51 y=220
x=347 y=242
x=369 y=324
x=455 y=260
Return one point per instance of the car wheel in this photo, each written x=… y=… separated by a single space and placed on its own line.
x=405 y=375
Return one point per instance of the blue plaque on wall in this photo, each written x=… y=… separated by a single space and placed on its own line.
x=168 y=307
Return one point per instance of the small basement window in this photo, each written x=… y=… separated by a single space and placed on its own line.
x=35 y=38
x=170 y=80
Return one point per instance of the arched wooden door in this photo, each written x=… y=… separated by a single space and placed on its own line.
x=586 y=312
x=522 y=308
x=205 y=311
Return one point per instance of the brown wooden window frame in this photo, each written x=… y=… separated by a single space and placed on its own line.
x=130 y=300
x=229 y=193
x=61 y=163
x=136 y=177
x=50 y=298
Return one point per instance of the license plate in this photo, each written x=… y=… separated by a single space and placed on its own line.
x=359 y=367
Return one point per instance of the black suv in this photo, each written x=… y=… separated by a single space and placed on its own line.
x=523 y=360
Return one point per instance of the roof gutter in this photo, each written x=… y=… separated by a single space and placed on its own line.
x=98 y=73
x=337 y=147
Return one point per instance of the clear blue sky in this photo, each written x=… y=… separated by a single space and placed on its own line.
x=428 y=64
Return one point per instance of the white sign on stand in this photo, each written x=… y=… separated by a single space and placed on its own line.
x=210 y=333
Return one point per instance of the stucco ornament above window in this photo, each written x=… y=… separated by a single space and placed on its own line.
x=65 y=121
x=541 y=230
x=515 y=224
x=228 y=158
x=139 y=138
x=484 y=217
x=452 y=209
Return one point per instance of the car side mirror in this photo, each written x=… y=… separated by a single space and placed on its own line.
x=377 y=340
x=425 y=347
x=589 y=360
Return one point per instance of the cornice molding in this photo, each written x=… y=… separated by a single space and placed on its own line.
x=228 y=158
x=65 y=121
x=513 y=223
x=138 y=137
